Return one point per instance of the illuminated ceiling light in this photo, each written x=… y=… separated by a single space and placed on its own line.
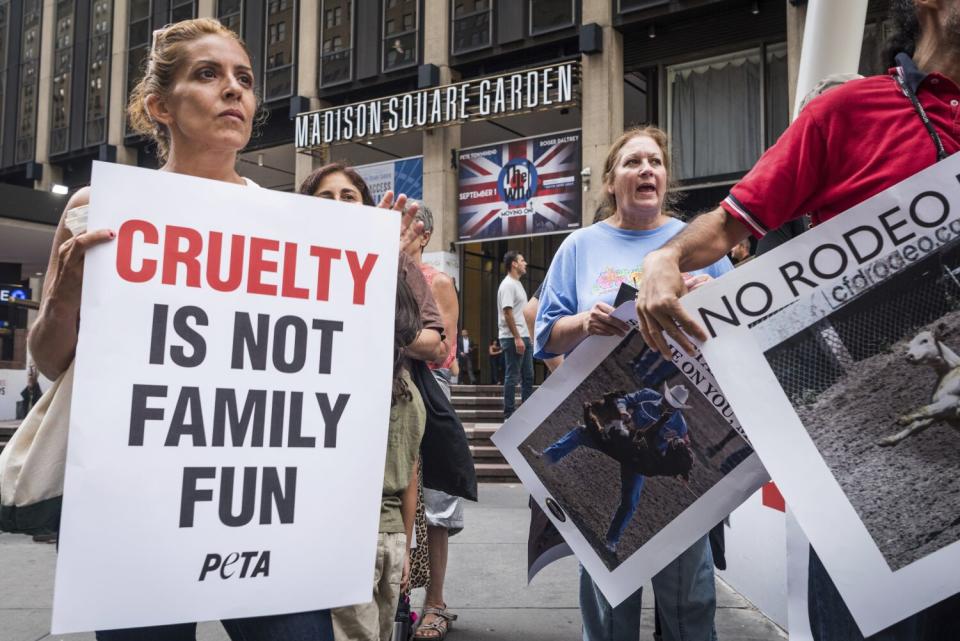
x=755 y=9
x=60 y=190
x=652 y=32
x=259 y=160
x=369 y=142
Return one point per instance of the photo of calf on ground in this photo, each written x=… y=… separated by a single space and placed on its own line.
x=876 y=384
x=635 y=445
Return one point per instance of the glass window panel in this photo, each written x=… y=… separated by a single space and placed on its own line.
x=29 y=61
x=632 y=5
x=471 y=29
x=61 y=81
x=181 y=10
x=400 y=26
x=336 y=59
x=400 y=52
x=279 y=55
x=139 y=33
x=139 y=30
x=549 y=15
x=230 y=14
x=468 y=7
x=279 y=83
x=98 y=73
x=139 y=10
x=4 y=43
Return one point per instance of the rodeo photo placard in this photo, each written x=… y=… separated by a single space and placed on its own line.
x=217 y=411
x=632 y=457
x=849 y=388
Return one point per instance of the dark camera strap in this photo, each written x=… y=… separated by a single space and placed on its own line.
x=924 y=118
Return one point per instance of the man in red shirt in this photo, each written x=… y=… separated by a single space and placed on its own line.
x=846 y=146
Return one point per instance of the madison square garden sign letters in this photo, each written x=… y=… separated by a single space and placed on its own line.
x=225 y=452
x=549 y=87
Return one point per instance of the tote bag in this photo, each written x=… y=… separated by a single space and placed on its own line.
x=32 y=463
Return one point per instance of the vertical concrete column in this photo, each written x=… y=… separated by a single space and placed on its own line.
x=51 y=174
x=832 y=39
x=601 y=102
x=308 y=77
x=117 y=113
x=440 y=189
x=206 y=8
x=796 y=17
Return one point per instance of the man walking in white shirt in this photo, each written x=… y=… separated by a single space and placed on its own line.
x=513 y=333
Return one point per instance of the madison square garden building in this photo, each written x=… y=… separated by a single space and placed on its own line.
x=496 y=113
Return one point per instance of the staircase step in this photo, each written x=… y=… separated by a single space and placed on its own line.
x=471 y=401
x=482 y=390
x=480 y=431
x=480 y=415
x=498 y=472
x=486 y=452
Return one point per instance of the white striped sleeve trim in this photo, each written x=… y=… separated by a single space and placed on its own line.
x=746 y=216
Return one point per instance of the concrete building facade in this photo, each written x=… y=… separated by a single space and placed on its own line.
x=716 y=74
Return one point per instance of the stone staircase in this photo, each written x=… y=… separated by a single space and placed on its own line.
x=7 y=428
x=480 y=408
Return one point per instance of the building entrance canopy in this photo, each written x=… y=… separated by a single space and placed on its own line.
x=553 y=86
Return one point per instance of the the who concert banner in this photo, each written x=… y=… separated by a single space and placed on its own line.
x=217 y=415
x=632 y=458
x=404 y=176
x=520 y=188
x=850 y=391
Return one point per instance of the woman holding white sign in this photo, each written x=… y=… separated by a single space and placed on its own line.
x=197 y=102
x=576 y=302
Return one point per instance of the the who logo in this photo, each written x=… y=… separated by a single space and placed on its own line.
x=517 y=182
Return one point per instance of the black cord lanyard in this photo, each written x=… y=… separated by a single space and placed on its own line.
x=912 y=97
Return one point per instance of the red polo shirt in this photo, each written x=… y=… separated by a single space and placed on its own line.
x=845 y=146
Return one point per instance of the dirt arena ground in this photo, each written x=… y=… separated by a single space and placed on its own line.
x=587 y=483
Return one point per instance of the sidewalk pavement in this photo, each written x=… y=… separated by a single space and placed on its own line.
x=486 y=586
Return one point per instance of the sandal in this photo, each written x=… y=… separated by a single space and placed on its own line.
x=442 y=623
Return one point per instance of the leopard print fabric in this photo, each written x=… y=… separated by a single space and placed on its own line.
x=420 y=555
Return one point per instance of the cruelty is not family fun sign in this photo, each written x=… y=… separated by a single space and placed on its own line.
x=226 y=450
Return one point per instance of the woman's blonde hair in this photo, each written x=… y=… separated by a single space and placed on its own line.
x=658 y=136
x=160 y=69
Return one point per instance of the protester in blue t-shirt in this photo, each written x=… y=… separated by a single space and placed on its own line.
x=576 y=301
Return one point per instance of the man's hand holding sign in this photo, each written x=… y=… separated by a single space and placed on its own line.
x=849 y=295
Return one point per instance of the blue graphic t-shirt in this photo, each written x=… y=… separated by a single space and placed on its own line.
x=590 y=266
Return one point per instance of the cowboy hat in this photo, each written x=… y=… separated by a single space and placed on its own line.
x=676 y=396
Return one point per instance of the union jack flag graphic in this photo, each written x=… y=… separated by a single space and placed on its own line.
x=519 y=188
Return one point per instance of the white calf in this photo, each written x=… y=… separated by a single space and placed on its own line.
x=927 y=349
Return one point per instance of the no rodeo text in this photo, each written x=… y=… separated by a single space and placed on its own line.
x=182 y=257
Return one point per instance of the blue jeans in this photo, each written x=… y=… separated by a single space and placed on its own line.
x=518 y=367
x=686 y=602
x=631 y=483
x=830 y=620
x=301 y=626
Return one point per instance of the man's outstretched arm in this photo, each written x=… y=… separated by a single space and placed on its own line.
x=701 y=243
